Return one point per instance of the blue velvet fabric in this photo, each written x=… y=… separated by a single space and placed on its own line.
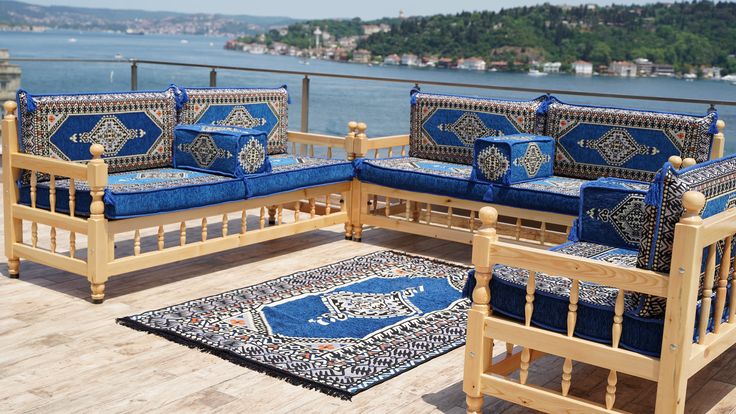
x=554 y=194
x=144 y=192
x=611 y=212
x=512 y=159
x=225 y=150
x=290 y=172
x=136 y=129
x=444 y=127
x=595 y=306
x=263 y=109
x=595 y=142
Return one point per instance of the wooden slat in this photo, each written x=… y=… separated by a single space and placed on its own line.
x=315 y=139
x=48 y=218
x=714 y=345
x=175 y=254
x=460 y=236
x=58 y=261
x=537 y=398
x=559 y=264
x=387 y=142
x=578 y=349
x=50 y=166
x=716 y=228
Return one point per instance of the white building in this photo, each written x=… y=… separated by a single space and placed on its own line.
x=408 y=59
x=392 y=60
x=551 y=67
x=472 y=63
x=582 y=67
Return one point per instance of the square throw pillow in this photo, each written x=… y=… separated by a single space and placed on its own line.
x=512 y=159
x=225 y=150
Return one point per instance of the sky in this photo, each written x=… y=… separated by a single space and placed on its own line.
x=308 y=9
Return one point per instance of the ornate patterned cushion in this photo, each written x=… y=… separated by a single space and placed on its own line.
x=144 y=192
x=291 y=172
x=513 y=158
x=595 y=142
x=264 y=109
x=135 y=128
x=445 y=127
x=611 y=212
x=232 y=151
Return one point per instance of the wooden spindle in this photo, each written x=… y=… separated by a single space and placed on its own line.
x=375 y=153
x=52 y=206
x=618 y=319
x=543 y=233
x=403 y=150
x=471 y=220
x=262 y=221
x=311 y=150
x=387 y=206
x=722 y=284
x=429 y=213
x=297 y=210
x=204 y=229
x=160 y=237
x=390 y=152
x=528 y=311
x=72 y=207
x=293 y=148
x=572 y=317
x=225 y=224
x=280 y=214
x=517 y=236
x=243 y=222
x=312 y=207
x=328 y=204
x=329 y=153
x=34 y=225
x=182 y=233
x=415 y=211
x=710 y=271
x=408 y=210
x=449 y=217
x=375 y=203
x=509 y=348
x=137 y=243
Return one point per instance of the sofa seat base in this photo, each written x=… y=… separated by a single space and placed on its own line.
x=553 y=194
x=144 y=192
x=294 y=172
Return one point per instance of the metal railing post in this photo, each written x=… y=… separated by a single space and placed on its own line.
x=305 y=104
x=133 y=75
x=213 y=78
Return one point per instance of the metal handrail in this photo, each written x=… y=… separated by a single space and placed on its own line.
x=306 y=75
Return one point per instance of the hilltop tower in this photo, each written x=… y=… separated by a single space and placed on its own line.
x=317 y=38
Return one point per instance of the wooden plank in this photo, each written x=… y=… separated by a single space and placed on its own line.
x=316 y=139
x=713 y=346
x=58 y=261
x=460 y=236
x=538 y=398
x=575 y=348
x=387 y=142
x=718 y=227
x=48 y=218
x=559 y=264
x=191 y=250
x=50 y=165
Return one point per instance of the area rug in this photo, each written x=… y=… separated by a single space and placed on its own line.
x=339 y=329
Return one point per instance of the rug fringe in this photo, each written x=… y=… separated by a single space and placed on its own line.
x=238 y=360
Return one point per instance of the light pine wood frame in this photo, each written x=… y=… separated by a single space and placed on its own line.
x=446 y=218
x=680 y=357
x=311 y=208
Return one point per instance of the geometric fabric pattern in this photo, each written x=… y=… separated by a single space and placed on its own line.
x=512 y=158
x=340 y=328
x=204 y=150
x=252 y=156
x=262 y=109
x=626 y=217
x=136 y=129
x=445 y=127
x=595 y=142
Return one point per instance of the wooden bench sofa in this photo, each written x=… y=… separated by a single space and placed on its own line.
x=658 y=308
x=58 y=178
x=431 y=192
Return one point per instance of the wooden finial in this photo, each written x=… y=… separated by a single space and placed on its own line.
x=352 y=126
x=10 y=107
x=721 y=125
x=688 y=162
x=693 y=202
x=96 y=150
x=675 y=161
x=488 y=216
x=362 y=127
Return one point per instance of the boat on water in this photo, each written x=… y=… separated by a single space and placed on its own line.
x=689 y=77
x=134 y=32
x=184 y=41
x=72 y=40
x=535 y=72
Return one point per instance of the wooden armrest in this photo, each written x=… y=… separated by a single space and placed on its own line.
x=316 y=139
x=49 y=166
x=387 y=142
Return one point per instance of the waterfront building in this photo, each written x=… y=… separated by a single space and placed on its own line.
x=712 y=72
x=445 y=63
x=499 y=65
x=472 y=63
x=392 y=60
x=409 y=59
x=622 y=68
x=581 y=67
x=429 y=61
x=362 y=56
x=551 y=67
x=644 y=67
x=663 y=69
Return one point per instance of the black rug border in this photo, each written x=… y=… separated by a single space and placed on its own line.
x=272 y=371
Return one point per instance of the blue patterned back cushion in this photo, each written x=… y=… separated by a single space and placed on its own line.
x=263 y=109
x=226 y=150
x=445 y=127
x=135 y=128
x=595 y=142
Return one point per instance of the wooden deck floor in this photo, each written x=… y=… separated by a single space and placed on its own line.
x=60 y=353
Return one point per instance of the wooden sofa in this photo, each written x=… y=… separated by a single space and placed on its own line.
x=67 y=193
x=672 y=294
x=443 y=129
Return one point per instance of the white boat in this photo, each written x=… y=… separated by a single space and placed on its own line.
x=729 y=78
x=534 y=72
x=72 y=40
x=184 y=41
x=689 y=77
x=118 y=56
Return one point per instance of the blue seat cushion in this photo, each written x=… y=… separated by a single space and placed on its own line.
x=144 y=192
x=292 y=172
x=595 y=306
x=558 y=194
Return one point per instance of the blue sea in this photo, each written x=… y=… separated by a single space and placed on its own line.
x=333 y=102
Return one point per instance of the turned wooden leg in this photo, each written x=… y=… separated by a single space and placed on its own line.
x=357 y=233
x=98 y=292
x=348 y=231
x=474 y=404
x=271 y=215
x=14 y=268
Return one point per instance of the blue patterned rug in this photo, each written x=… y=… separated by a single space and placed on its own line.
x=340 y=329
